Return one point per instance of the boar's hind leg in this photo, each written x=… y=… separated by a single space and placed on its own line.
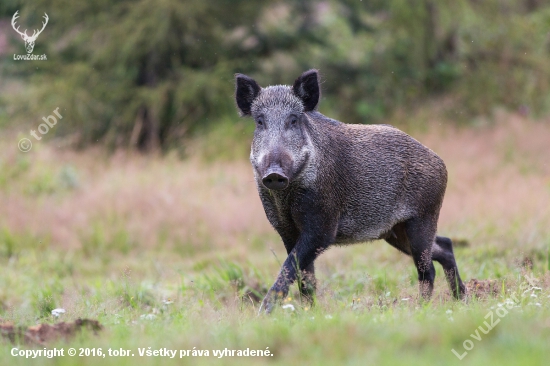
x=421 y=234
x=415 y=238
x=443 y=253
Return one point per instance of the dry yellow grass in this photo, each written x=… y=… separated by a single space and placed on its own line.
x=498 y=175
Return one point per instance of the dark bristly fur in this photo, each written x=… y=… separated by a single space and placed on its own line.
x=335 y=183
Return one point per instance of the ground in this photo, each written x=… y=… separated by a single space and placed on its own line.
x=175 y=254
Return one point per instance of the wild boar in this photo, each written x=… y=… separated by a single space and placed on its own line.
x=323 y=182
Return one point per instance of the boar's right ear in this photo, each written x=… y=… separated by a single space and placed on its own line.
x=307 y=88
x=246 y=90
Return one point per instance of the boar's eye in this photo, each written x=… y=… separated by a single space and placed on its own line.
x=293 y=120
x=260 y=121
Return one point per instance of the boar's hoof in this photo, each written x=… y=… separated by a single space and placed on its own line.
x=270 y=301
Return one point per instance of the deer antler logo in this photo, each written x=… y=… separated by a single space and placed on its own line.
x=29 y=40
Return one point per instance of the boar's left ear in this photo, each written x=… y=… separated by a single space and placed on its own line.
x=307 y=88
x=246 y=91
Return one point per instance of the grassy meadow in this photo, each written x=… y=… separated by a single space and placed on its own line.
x=176 y=254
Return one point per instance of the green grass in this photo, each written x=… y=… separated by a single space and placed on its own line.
x=367 y=311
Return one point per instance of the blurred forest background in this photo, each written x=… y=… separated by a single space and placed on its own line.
x=151 y=74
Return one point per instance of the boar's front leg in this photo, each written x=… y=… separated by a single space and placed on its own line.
x=306 y=277
x=307 y=248
x=307 y=283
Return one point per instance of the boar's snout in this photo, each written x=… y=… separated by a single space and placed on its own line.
x=275 y=179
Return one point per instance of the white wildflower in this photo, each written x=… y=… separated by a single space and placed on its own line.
x=58 y=312
x=288 y=306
